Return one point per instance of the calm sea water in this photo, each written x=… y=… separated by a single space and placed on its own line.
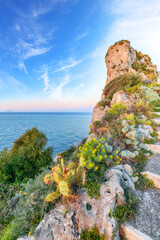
x=62 y=129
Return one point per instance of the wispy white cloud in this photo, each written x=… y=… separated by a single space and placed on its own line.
x=56 y=93
x=46 y=81
x=81 y=85
x=28 y=50
x=72 y=64
x=22 y=66
x=44 y=7
x=81 y=36
x=31 y=52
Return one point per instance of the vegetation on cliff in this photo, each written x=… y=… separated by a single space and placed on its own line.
x=36 y=183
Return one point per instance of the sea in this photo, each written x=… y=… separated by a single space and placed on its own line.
x=63 y=130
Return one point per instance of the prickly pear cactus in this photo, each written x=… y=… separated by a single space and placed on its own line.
x=64 y=177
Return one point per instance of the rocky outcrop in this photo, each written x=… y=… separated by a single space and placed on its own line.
x=119 y=59
x=122 y=58
x=112 y=191
x=86 y=212
x=121 y=97
x=98 y=113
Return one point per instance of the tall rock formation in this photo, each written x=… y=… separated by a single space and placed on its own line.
x=119 y=59
x=122 y=58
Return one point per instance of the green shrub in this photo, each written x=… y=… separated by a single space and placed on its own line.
x=142 y=158
x=92 y=234
x=31 y=207
x=156 y=103
x=123 y=212
x=143 y=182
x=6 y=208
x=96 y=156
x=115 y=111
x=66 y=155
x=7 y=232
x=104 y=103
x=27 y=156
x=121 y=83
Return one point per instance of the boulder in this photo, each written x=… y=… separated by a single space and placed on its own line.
x=121 y=97
x=57 y=226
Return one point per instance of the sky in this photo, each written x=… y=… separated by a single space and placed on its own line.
x=52 y=51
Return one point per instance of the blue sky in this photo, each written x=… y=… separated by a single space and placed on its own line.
x=52 y=51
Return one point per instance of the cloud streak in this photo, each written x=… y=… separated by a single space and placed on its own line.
x=81 y=36
x=45 y=7
x=73 y=63
x=46 y=81
x=56 y=93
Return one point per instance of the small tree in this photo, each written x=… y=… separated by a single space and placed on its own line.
x=27 y=156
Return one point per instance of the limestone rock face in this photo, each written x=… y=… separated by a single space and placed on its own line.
x=57 y=226
x=88 y=212
x=121 y=97
x=119 y=59
x=98 y=113
x=99 y=209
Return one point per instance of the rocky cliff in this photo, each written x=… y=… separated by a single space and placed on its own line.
x=121 y=59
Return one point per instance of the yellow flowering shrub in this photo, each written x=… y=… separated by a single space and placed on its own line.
x=95 y=156
x=97 y=151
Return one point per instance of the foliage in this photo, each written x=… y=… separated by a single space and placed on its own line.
x=145 y=66
x=143 y=182
x=96 y=125
x=6 y=204
x=155 y=103
x=7 y=233
x=104 y=103
x=134 y=89
x=121 y=83
x=149 y=94
x=66 y=155
x=95 y=157
x=115 y=111
x=141 y=159
x=123 y=212
x=31 y=207
x=133 y=137
x=141 y=106
x=27 y=156
x=129 y=132
x=63 y=177
x=92 y=234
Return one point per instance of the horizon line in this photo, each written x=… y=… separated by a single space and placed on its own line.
x=47 y=112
